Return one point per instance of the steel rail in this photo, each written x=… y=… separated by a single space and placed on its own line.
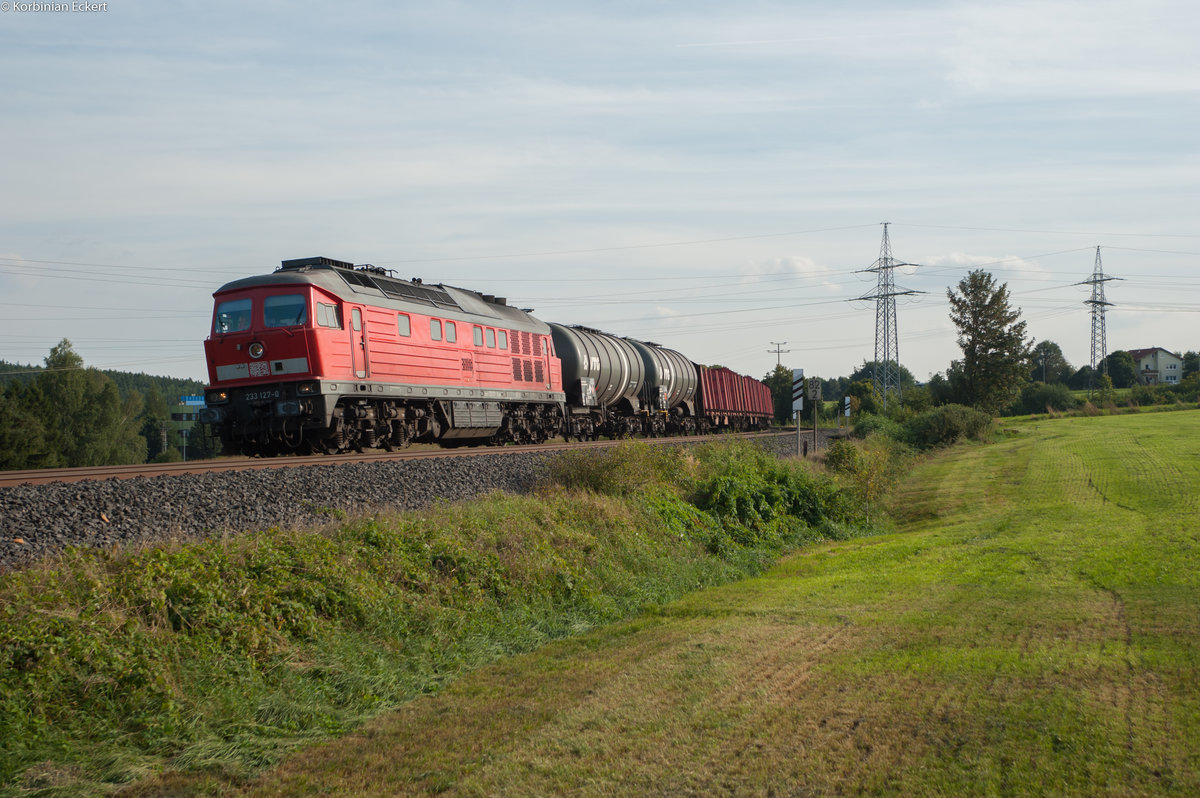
x=46 y=475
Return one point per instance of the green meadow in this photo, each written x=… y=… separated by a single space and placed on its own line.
x=1031 y=626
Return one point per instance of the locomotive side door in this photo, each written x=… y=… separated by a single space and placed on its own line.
x=358 y=344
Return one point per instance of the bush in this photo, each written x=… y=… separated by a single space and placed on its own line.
x=868 y=424
x=1038 y=397
x=868 y=469
x=948 y=424
x=628 y=468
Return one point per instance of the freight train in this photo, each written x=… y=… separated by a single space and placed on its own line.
x=325 y=356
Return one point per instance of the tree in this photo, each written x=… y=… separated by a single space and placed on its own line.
x=1191 y=364
x=86 y=422
x=1049 y=365
x=1081 y=380
x=867 y=372
x=863 y=397
x=995 y=350
x=779 y=380
x=22 y=437
x=1121 y=369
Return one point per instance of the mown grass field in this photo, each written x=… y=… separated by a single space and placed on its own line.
x=1032 y=628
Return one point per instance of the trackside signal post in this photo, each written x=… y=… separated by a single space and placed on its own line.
x=814 y=394
x=798 y=403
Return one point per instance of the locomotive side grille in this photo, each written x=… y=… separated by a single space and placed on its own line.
x=538 y=374
x=526 y=342
x=516 y=342
x=528 y=371
x=537 y=346
x=517 y=373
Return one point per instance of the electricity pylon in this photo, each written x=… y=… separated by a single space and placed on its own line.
x=886 y=373
x=1098 y=303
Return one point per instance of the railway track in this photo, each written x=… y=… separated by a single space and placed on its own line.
x=47 y=475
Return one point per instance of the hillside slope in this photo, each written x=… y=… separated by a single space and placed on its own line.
x=1030 y=629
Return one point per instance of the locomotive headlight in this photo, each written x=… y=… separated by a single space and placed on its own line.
x=256 y=350
x=216 y=397
x=305 y=388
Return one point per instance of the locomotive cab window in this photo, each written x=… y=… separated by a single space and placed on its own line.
x=403 y=325
x=503 y=338
x=285 y=311
x=478 y=336
x=232 y=316
x=435 y=329
x=329 y=316
x=491 y=338
x=451 y=333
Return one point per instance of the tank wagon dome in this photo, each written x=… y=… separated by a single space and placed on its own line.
x=374 y=285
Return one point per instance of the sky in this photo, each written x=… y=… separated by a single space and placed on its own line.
x=710 y=176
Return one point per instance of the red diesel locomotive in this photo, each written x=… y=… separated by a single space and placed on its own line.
x=325 y=356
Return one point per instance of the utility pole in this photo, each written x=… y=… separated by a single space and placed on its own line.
x=1098 y=303
x=779 y=351
x=886 y=374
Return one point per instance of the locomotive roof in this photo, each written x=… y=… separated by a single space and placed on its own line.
x=373 y=286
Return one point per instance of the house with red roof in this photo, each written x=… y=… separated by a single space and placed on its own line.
x=1157 y=366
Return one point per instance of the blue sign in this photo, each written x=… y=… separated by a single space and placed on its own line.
x=194 y=401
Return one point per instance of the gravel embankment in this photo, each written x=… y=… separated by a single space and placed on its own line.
x=36 y=520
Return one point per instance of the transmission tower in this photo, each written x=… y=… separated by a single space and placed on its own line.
x=1098 y=303
x=779 y=351
x=886 y=374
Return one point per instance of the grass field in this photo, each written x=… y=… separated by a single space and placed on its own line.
x=1032 y=628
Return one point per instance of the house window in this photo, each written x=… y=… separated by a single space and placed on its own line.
x=435 y=329
x=404 y=325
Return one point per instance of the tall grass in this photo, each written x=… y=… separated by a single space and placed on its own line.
x=222 y=656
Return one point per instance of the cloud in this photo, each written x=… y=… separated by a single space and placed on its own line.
x=1067 y=49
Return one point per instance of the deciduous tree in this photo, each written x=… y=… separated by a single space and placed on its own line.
x=779 y=380
x=1049 y=365
x=86 y=423
x=1121 y=369
x=996 y=353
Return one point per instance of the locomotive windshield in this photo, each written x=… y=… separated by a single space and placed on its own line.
x=232 y=316
x=285 y=311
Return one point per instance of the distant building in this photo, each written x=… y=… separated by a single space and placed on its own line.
x=1157 y=366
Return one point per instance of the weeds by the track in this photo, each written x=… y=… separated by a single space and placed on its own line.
x=220 y=657
x=1030 y=630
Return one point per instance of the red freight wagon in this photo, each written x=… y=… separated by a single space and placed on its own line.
x=734 y=401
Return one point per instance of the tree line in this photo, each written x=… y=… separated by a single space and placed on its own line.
x=67 y=415
x=1000 y=370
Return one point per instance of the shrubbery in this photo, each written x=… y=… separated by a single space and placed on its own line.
x=226 y=654
x=1038 y=397
x=938 y=426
